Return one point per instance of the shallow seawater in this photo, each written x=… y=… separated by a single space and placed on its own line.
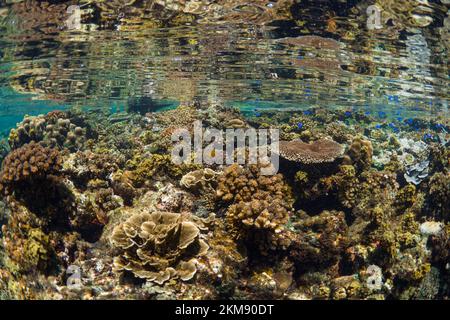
x=90 y=93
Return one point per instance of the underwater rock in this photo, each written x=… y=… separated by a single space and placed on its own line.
x=158 y=246
x=84 y=167
x=319 y=240
x=320 y=151
x=429 y=286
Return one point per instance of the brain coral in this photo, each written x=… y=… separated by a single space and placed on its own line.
x=319 y=151
x=29 y=162
x=158 y=246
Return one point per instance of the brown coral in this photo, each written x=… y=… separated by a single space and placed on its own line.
x=57 y=129
x=269 y=213
x=158 y=246
x=359 y=154
x=259 y=203
x=320 y=151
x=241 y=184
x=29 y=162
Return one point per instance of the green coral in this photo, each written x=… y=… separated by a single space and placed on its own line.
x=157 y=167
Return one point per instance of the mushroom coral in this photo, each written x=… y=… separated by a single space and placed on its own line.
x=158 y=246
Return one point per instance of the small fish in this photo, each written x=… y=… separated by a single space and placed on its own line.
x=409 y=121
x=378 y=126
x=348 y=113
x=300 y=125
x=307 y=112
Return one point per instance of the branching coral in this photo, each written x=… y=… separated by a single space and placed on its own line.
x=238 y=184
x=268 y=213
x=158 y=246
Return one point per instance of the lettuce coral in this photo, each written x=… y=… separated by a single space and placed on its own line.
x=158 y=246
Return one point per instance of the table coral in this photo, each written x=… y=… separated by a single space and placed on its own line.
x=320 y=151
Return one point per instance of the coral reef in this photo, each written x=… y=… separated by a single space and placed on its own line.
x=260 y=205
x=340 y=220
x=439 y=196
